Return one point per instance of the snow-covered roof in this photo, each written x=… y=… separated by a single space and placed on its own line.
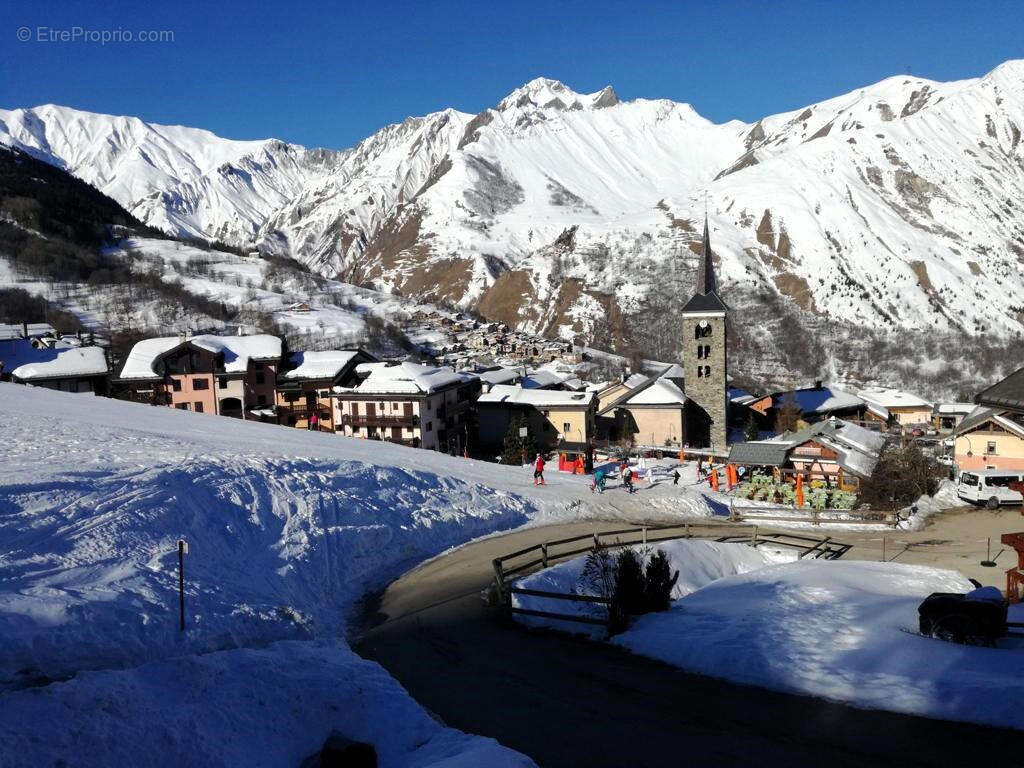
x=820 y=400
x=893 y=398
x=319 y=365
x=541 y=378
x=236 y=350
x=538 y=398
x=17 y=330
x=60 y=360
x=954 y=409
x=674 y=371
x=405 y=378
x=500 y=375
x=983 y=413
x=661 y=391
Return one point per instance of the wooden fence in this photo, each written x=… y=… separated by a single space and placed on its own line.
x=515 y=565
x=784 y=514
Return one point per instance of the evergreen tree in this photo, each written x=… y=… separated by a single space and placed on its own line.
x=658 y=582
x=751 y=431
x=515 y=448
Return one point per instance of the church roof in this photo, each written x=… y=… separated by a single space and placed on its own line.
x=709 y=302
x=706 y=282
x=706 y=298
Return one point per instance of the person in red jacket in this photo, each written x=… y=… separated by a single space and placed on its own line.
x=538 y=471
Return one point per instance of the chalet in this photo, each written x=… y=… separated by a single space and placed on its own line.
x=559 y=420
x=820 y=402
x=652 y=413
x=827 y=450
x=992 y=435
x=416 y=405
x=904 y=408
x=52 y=361
x=946 y=417
x=304 y=387
x=225 y=375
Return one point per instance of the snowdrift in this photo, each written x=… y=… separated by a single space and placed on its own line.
x=699 y=563
x=841 y=630
x=286 y=529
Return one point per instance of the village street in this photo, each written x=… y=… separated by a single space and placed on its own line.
x=568 y=701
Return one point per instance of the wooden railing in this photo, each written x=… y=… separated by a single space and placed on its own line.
x=775 y=513
x=508 y=569
x=405 y=420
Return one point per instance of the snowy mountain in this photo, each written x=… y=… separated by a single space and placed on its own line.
x=895 y=205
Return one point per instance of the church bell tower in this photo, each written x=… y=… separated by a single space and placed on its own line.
x=704 y=358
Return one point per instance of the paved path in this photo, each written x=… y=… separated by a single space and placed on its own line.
x=570 y=702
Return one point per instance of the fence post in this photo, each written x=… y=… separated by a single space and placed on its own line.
x=687 y=530
x=753 y=538
x=597 y=542
x=504 y=597
x=645 y=535
x=544 y=554
x=814 y=516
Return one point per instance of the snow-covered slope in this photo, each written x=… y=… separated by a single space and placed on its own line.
x=286 y=531
x=895 y=204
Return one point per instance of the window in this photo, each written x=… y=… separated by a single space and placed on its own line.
x=182 y=406
x=259 y=377
x=430 y=426
x=222 y=383
x=707 y=351
x=700 y=371
x=176 y=385
x=198 y=384
x=197 y=407
x=991 y=447
x=707 y=371
x=566 y=426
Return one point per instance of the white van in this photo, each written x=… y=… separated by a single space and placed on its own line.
x=990 y=487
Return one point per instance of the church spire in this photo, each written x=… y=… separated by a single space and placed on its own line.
x=706 y=269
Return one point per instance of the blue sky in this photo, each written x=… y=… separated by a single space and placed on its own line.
x=329 y=76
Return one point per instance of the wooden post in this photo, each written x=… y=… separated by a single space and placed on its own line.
x=753 y=538
x=499 y=584
x=544 y=554
x=883 y=549
x=644 y=535
x=182 y=549
x=597 y=542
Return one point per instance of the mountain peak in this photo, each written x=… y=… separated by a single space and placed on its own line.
x=546 y=93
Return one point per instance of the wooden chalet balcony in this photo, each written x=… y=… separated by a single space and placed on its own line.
x=379 y=421
x=303 y=407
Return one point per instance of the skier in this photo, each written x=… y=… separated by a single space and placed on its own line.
x=627 y=479
x=538 y=471
x=599 y=478
x=314 y=422
x=675 y=476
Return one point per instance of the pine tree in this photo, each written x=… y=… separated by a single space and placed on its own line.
x=658 y=582
x=516 y=448
x=751 y=431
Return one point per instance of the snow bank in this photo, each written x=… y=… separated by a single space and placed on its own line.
x=272 y=706
x=698 y=562
x=287 y=530
x=841 y=630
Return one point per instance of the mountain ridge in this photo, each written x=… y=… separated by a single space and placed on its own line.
x=558 y=211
